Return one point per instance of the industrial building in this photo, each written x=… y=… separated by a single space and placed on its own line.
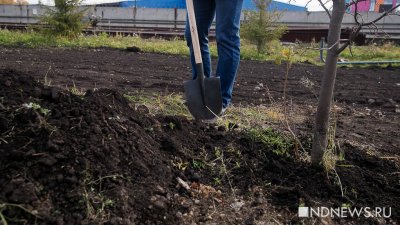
x=374 y=5
x=181 y=4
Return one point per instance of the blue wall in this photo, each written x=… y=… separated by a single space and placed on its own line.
x=154 y=3
x=181 y=4
x=249 y=5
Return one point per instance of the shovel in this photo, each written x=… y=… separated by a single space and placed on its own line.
x=203 y=95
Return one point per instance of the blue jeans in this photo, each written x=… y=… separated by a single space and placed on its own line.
x=227 y=14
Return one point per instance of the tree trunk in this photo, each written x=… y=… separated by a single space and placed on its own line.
x=321 y=127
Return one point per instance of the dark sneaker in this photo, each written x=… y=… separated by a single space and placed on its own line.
x=213 y=120
x=223 y=111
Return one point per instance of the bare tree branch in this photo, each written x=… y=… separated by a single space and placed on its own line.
x=326 y=9
x=351 y=49
x=353 y=3
x=377 y=29
x=308 y=2
x=356 y=12
x=361 y=24
x=382 y=16
x=353 y=35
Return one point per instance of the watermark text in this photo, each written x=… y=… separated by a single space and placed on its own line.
x=345 y=212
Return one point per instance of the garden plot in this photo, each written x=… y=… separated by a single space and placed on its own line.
x=75 y=150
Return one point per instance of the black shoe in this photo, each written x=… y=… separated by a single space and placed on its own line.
x=213 y=120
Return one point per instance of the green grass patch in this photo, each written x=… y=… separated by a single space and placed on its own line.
x=172 y=104
x=388 y=51
x=240 y=116
x=35 y=40
x=275 y=52
x=250 y=116
x=270 y=140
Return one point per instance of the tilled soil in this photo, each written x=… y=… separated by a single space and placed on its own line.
x=367 y=96
x=94 y=159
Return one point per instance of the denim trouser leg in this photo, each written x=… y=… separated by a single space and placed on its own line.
x=228 y=44
x=228 y=40
x=205 y=12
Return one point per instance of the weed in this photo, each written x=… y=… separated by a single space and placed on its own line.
x=220 y=166
x=4 y=206
x=333 y=152
x=41 y=114
x=180 y=164
x=235 y=151
x=197 y=164
x=47 y=82
x=171 y=125
x=37 y=108
x=76 y=91
x=289 y=55
x=137 y=98
x=330 y=156
x=95 y=201
x=217 y=181
x=338 y=182
x=271 y=141
x=237 y=165
x=329 y=160
x=354 y=192
x=249 y=116
x=217 y=152
x=308 y=84
x=172 y=104
x=7 y=134
x=346 y=205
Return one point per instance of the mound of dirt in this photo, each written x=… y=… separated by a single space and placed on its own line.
x=95 y=159
x=90 y=159
x=69 y=157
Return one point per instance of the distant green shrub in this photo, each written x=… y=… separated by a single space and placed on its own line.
x=259 y=28
x=65 y=20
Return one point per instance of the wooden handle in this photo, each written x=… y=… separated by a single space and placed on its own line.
x=193 y=31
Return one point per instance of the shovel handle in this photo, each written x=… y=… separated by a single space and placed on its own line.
x=193 y=32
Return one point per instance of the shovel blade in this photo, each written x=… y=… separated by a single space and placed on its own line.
x=211 y=105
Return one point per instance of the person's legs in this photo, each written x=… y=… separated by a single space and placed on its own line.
x=228 y=44
x=204 y=11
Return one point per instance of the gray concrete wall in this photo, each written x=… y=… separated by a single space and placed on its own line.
x=148 y=17
x=19 y=13
x=321 y=19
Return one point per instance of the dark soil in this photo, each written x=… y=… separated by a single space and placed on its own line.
x=367 y=96
x=93 y=159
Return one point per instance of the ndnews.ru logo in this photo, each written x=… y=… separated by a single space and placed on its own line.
x=344 y=212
